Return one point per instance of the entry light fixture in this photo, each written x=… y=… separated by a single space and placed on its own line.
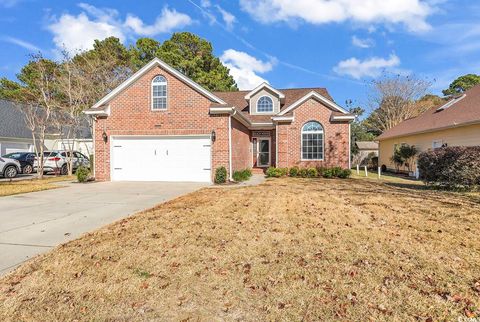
x=104 y=137
x=214 y=136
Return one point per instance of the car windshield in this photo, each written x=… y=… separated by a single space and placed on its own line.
x=13 y=155
x=49 y=154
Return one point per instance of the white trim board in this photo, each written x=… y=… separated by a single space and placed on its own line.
x=156 y=62
x=317 y=96
x=260 y=87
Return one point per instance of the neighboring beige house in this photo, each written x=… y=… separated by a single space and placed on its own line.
x=365 y=148
x=456 y=123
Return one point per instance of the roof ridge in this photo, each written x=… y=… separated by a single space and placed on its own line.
x=278 y=89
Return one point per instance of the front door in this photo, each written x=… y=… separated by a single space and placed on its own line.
x=263 y=152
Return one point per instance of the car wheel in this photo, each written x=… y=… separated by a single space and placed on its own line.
x=64 y=170
x=27 y=169
x=10 y=172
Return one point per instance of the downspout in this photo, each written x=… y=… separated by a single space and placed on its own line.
x=93 y=139
x=349 y=146
x=230 y=167
x=276 y=145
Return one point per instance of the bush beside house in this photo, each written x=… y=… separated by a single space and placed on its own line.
x=451 y=167
x=242 y=175
x=335 y=172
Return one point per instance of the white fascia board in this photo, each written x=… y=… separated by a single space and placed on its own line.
x=262 y=125
x=283 y=118
x=313 y=94
x=450 y=103
x=221 y=110
x=146 y=68
x=343 y=118
x=264 y=85
x=104 y=112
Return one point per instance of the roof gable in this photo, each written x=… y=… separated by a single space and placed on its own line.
x=153 y=63
x=317 y=96
x=262 y=86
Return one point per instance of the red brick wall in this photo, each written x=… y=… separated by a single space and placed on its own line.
x=187 y=114
x=336 y=137
x=241 y=146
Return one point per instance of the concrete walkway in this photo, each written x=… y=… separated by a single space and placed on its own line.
x=33 y=223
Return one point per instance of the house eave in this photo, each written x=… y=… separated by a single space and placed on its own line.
x=452 y=126
x=222 y=110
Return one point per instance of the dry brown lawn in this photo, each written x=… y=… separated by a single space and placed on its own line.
x=290 y=249
x=16 y=187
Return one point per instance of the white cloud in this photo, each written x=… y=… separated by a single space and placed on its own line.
x=21 y=43
x=371 y=67
x=411 y=13
x=167 y=21
x=227 y=17
x=78 y=32
x=244 y=68
x=362 y=43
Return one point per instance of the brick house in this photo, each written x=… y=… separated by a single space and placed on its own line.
x=159 y=125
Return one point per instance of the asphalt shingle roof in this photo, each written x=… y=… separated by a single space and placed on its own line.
x=463 y=111
x=238 y=100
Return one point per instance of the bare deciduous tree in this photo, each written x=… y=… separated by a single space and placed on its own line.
x=38 y=103
x=394 y=99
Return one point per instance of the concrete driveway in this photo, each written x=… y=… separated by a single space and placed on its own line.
x=33 y=223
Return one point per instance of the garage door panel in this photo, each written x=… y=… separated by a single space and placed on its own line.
x=161 y=159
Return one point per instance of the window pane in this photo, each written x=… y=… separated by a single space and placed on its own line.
x=265 y=104
x=312 y=146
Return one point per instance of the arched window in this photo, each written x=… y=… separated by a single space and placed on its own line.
x=312 y=141
x=159 y=93
x=264 y=104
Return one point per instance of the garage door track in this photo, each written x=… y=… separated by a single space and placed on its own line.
x=35 y=222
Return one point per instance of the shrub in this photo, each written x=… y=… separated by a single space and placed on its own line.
x=242 y=175
x=221 y=175
x=293 y=172
x=327 y=173
x=303 y=173
x=83 y=173
x=312 y=173
x=345 y=173
x=284 y=171
x=451 y=167
x=276 y=172
x=320 y=171
x=336 y=171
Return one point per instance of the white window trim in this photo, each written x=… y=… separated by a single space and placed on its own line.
x=151 y=95
x=265 y=113
x=323 y=142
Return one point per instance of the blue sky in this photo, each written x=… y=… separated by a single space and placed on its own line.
x=338 y=44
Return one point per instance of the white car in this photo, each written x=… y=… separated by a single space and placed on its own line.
x=57 y=161
x=9 y=168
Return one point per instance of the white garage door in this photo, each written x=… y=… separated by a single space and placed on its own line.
x=161 y=159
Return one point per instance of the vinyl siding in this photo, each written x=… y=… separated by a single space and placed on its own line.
x=460 y=136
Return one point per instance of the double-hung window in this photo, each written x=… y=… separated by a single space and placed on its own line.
x=159 y=93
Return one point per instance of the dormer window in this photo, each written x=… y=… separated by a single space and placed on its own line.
x=264 y=105
x=159 y=93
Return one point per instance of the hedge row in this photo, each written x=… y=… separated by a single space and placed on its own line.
x=335 y=172
x=451 y=167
